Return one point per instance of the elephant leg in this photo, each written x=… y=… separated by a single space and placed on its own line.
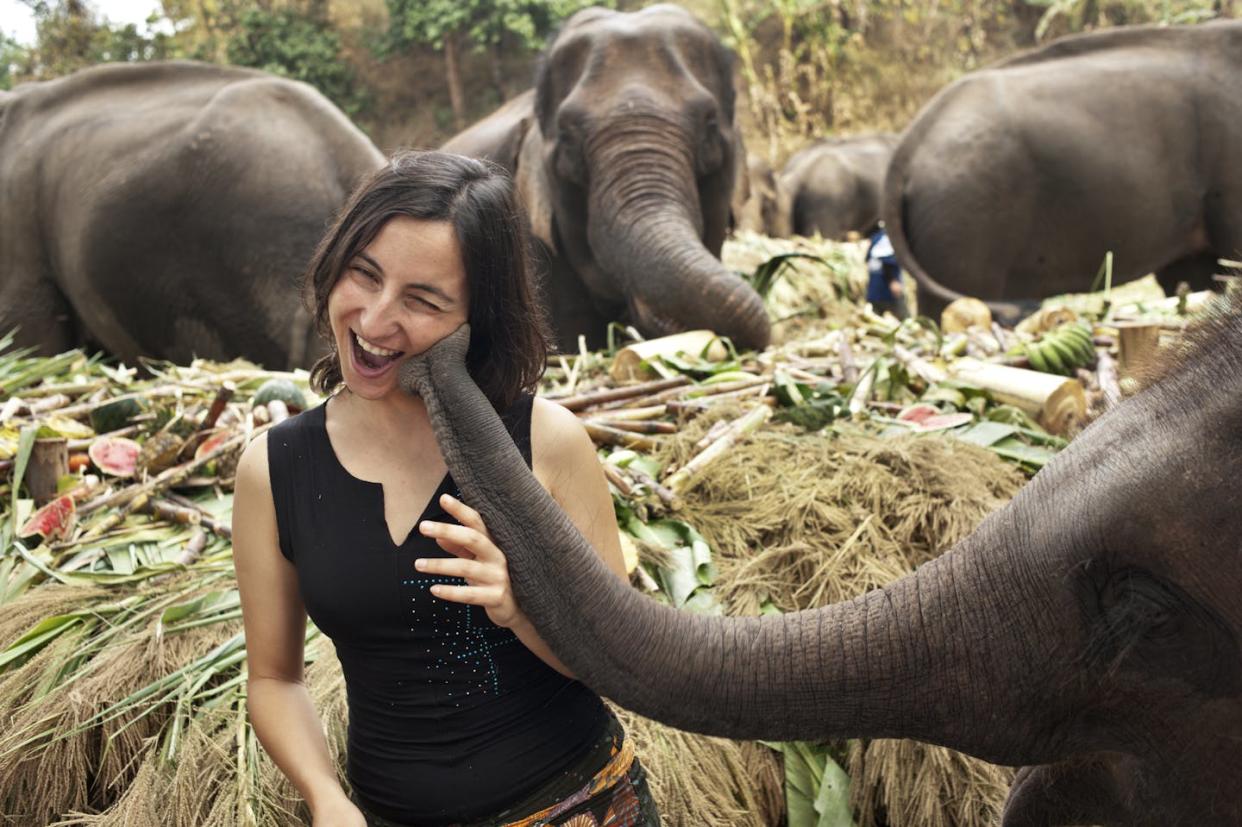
x=573 y=310
x=1195 y=270
x=40 y=312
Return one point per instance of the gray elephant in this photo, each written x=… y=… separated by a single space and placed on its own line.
x=624 y=156
x=167 y=209
x=760 y=203
x=1088 y=631
x=1015 y=181
x=836 y=184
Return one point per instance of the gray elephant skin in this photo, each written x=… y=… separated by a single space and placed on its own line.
x=1015 y=181
x=624 y=156
x=760 y=203
x=1087 y=632
x=836 y=185
x=167 y=210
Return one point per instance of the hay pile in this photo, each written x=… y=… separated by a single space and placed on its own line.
x=802 y=521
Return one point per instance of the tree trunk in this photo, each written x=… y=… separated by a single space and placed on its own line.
x=452 y=69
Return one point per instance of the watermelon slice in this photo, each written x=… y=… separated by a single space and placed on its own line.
x=945 y=421
x=53 y=521
x=211 y=443
x=116 y=456
x=918 y=414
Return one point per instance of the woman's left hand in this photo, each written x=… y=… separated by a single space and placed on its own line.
x=476 y=559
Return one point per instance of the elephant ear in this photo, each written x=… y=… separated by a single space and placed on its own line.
x=533 y=188
x=741 y=178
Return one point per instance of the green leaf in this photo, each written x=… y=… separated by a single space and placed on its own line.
x=690 y=559
x=985 y=433
x=25 y=445
x=817 y=790
x=43 y=633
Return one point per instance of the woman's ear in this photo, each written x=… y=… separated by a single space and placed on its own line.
x=534 y=189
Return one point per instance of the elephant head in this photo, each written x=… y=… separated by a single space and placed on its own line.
x=1088 y=631
x=624 y=155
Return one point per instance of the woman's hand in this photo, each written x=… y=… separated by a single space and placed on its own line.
x=476 y=559
x=339 y=812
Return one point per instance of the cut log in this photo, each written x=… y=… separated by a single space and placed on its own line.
x=49 y=461
x=631 y=361
x=1055 y=402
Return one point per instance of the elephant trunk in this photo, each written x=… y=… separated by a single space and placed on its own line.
x=936 y=656
x=646 y=228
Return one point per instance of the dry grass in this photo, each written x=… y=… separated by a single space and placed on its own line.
x=805 y=520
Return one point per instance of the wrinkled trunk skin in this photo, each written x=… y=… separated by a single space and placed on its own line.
x=937 y=656
x=645 y=227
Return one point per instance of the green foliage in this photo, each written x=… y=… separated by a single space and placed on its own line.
x=297 y=43
x=526 y=23
x=13 y=57
x=70 y=36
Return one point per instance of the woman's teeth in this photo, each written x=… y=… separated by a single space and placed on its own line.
x=371 y=359
x=376 y=349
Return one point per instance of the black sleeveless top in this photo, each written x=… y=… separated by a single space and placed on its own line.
x=451 y=718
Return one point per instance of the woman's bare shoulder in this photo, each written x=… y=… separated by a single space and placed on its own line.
x=559 y=442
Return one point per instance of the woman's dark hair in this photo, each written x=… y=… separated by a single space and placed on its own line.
x=508 y=330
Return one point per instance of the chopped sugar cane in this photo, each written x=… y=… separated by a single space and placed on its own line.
x=629 y=392
x=684 y=477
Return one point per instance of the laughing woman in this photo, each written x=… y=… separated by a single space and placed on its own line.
x=458 y=712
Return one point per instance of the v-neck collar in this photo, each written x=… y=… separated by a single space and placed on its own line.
x=431 y=503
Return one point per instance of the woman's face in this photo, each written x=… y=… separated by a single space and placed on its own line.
x=399 y=296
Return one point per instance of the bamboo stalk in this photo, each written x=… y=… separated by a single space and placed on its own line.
x=611 y=436
x=586 y=400
x=49 y=461
x=671 y=501
x=684 y=477
x=76 y=411
x=929 y=373
x=626 y=414
x=615 y=476
x=639 y=427
x=1056 y=402
x=861 y=394
x=849 y=367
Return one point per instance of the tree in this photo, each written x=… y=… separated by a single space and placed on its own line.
x=71 y=36
x=450 y=25
x=297 y=43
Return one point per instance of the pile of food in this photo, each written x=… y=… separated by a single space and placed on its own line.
x=835 y=461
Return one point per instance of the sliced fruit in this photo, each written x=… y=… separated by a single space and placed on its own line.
x=115 y=456
x=945 y=421
x=112 y=416
x=918 y=414
x=160 y=451
x=281 y=389
x=211 y=443
x=53 y=521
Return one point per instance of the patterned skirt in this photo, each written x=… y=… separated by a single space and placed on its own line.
x=616 y=795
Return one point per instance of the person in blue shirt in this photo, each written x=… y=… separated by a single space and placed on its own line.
x=884 y=288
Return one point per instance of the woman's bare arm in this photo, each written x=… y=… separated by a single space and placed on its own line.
x=564 y=461
x=280 y=707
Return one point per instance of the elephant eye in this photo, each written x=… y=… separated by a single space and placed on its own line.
x=570 y=165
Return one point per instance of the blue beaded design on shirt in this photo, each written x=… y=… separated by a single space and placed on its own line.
x=467 y=639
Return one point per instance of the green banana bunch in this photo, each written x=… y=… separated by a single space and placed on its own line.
x=1062 y=349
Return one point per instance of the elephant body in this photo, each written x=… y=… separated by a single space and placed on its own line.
x=836 y=185
x=1089 y=631
x=624 y=156
x=167 y=210
x=1015 y=181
